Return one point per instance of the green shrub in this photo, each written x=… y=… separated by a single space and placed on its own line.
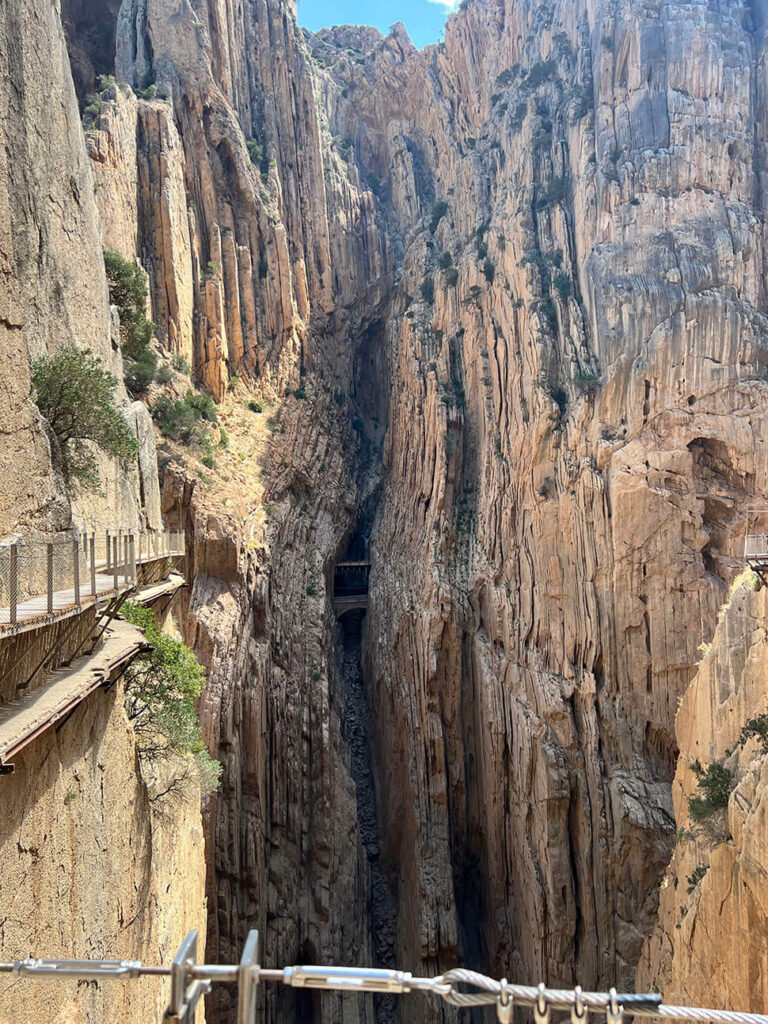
x=75 y=394
x=562 y=283
x=445 y=260
x=223 y=438
x=162 y=688
x=714 y=788
x=518 y=116
x=555 y=192
x=139 y=373
x=255 y=406
x=93 y=105
x=164 y=374
x=451 y=277
x=186 y=420
x=439 y=210
x=208 y=461
x=541 y=72
x=756 y=727
x=128 y=291
x=696 y=876
x=180 y=364
x=203 y=405
x=255 y=151
x=373 y=183
x=149 y=93
x=587 y=383
x=428 y=289
x=300 y=393
x=489 y=269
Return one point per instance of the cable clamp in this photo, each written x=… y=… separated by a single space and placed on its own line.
x=542 y=1012
x=505 y=1004
x=578 y=1010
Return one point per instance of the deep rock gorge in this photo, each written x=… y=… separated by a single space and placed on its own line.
x=504 y=302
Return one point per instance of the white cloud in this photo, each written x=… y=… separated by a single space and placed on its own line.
x=449 y=5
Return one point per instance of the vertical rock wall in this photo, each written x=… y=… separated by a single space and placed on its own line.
x=709 y=946
x=575 y=435
x=89 y=868
x=573 y=354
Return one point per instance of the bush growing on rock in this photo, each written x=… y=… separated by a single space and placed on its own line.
x=714 y=788
x=180 y=364
x=439 y=210
x=187 y=419
x=428 y=289
x=162 y=688
x=76 y=395
x=128 y=291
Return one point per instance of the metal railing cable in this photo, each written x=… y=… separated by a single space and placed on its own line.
x=458 y=987
x=45 y=576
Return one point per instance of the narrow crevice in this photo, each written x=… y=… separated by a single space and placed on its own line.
x=355 y=733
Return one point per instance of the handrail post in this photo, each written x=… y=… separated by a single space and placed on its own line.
x=14 y=582
x=114 y=565
x=76 y=569
x=132 y=553
x=126 y=566
x=49 y=574
x=93 y=566
x=109 y=549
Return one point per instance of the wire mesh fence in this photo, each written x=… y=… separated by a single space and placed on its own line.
x=756 y=545
x=48 y=575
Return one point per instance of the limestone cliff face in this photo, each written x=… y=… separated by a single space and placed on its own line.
x=92 y=869
x=53 y=289
x=523 y=269
x=574 y=436
x=242 y=250
x=89 y=867
x=709 y=945
x=274 y=266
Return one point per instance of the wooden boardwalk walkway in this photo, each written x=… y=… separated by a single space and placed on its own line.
x=25 y=719
x=36 y=611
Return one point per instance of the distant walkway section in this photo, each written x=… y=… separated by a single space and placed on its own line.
x=350 y=586
x=48 y=577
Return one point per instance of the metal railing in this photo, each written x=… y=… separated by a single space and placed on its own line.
x=756 y=545
x=190 y=981
x=50 y=575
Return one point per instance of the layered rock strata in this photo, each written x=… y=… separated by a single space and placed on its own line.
x=90 y=868
x=569 y=380
x=709 y=947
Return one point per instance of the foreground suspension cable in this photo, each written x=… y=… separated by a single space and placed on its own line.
x=458 y=987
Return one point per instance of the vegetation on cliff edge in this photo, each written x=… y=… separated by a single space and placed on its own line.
x=162 y=688
x=76 y=395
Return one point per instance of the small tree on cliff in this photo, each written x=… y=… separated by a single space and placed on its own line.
x=75 y=394
x=128 y=291
x=162 y=689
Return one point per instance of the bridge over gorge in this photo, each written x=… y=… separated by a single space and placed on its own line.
x=60 y=596
x=756 y=553
x=350 y=586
